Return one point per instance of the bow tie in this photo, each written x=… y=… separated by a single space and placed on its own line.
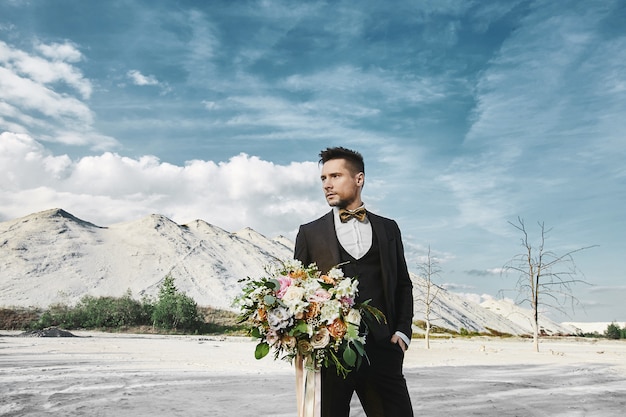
x=345 y=215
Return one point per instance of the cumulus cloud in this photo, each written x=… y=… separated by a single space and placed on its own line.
x=244 y=191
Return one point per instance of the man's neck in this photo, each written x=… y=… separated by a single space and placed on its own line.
x=354 y=205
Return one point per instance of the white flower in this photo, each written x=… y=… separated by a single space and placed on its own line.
x=311 y=285
x=279 y=318
x=354 y=317
x=335 y=273
x=346 y=288
x=292 y=265
x=330 y=311
x=294 y=299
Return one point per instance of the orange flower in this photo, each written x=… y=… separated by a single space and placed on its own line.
x=328 y=280
x=312 y=311
x=337 y=328
x=300 y=274
x=262 y=314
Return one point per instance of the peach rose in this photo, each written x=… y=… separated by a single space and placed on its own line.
x=300 y=274
x=312 y=311
x=304 y=347
x=328 y=280
x=320 y=339
x=337 y=328
x=288 y=341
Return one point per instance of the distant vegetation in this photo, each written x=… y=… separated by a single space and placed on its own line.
x=613 y=331
x=172 y=312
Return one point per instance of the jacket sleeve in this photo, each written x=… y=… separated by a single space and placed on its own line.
x=301 y=252
x=404 y=291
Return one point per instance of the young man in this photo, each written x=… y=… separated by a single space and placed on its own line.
x=370 y=248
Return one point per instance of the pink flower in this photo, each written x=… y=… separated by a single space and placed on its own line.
x=347 y=301
x=320 y=295
x=285 y=282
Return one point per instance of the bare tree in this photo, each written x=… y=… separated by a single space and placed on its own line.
x=428 y=270
x=545 y=278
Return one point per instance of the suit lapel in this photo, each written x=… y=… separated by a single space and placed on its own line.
x=332 y=242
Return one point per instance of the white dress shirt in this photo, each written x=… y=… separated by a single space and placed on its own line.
x=353 y=235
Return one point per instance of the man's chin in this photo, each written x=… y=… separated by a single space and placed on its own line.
x=338 y=204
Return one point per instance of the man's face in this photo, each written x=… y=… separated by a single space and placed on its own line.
x=341 y=188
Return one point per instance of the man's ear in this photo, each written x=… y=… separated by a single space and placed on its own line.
x=360 y=179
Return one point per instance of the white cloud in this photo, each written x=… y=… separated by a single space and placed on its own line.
x=60 y=51
x=29 y=95
x=46 y=70
x=244 y=191
x=35 y=98
x=139 y=79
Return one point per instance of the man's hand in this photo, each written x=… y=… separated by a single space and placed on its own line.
x=398 y=340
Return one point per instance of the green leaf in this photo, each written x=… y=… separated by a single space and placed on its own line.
x=359 y=347
x=262 y=349
x=272 y=284
x=299 y=328
x=255 y=332
x=269 y=300
x=349 y=356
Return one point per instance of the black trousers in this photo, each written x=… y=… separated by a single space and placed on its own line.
x=380 y=385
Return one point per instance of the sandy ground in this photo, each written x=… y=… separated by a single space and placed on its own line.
x=101 y=374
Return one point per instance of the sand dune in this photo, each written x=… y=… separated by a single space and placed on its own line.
x=102 y=374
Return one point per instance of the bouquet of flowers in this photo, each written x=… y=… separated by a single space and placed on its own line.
x=297 y=310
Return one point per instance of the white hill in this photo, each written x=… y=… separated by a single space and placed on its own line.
x=523 y=317
x=53 y=257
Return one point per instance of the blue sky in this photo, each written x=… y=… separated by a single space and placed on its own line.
x=469 y=114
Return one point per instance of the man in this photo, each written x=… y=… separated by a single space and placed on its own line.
x=370 y=248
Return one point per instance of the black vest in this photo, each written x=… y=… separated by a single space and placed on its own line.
x=368 y=271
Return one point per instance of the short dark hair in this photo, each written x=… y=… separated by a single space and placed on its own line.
x=353 y=158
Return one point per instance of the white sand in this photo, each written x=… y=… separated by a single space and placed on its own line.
x=102 y=374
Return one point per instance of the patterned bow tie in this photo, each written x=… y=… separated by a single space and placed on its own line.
x=345 y=215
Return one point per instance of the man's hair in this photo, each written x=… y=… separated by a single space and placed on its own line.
x=353 y=158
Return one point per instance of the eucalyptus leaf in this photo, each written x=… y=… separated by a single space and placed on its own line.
x=262 y=349
x=349 y=356
x=359 y=347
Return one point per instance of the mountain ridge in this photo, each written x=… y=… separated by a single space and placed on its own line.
x=54 y=257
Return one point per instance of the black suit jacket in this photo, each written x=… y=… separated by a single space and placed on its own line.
x=317 y=242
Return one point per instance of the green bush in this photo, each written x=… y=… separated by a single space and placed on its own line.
x=613 y=331
x=175 y=310
x=58 y=315
x=172 y=310
x=110 y=312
